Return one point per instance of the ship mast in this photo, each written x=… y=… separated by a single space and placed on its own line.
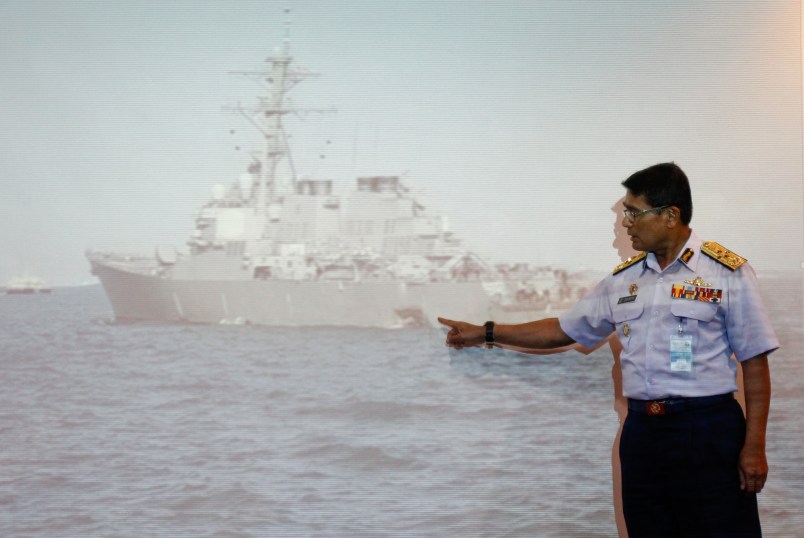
x=272 y=108
x=275 y=147
x=267 y=118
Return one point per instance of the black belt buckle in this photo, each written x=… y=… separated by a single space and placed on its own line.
x=655 y=408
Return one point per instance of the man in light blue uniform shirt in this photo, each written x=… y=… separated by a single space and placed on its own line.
x=735 y=322
x=686 y=312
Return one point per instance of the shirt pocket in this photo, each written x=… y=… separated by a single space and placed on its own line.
x=692 y=314
x=624 y=316
x=697 y=310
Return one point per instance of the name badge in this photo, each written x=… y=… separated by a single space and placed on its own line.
x=627 y=299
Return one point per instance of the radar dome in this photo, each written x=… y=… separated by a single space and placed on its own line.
x=245 y=182
x=218 y=191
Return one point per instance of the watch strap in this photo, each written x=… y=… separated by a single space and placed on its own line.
x=489 y=334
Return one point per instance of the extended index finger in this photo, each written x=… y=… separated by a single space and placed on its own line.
x=448 y=322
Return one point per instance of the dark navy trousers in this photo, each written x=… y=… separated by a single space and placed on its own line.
x=680 y=477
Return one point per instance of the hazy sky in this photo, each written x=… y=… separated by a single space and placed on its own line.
x=517 y=119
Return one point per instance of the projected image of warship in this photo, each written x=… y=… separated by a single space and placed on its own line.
x=290 y=252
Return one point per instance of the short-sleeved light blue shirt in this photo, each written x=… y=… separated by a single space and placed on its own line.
x=638 y=304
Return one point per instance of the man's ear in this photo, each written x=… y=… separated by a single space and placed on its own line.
x=673 y=215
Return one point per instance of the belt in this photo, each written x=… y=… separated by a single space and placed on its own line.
x=670 y=406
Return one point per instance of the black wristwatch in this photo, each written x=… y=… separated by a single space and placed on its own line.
x=489 y=334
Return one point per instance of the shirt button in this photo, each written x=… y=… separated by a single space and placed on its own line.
x=650 y=381
x=655 y=312
x=661 y=279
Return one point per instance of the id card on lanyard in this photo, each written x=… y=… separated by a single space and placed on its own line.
x=681 y=351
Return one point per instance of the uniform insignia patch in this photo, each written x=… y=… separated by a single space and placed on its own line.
x=722 y=255
x=632 y=289
x=696 y=293
x=629 y=262
x=687 y=255
x=697 y=281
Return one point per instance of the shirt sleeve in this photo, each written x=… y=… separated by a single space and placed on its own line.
x=747 y=324
x=590 y=320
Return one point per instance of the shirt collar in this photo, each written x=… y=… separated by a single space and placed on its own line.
x=691 y=252
x=689 y=255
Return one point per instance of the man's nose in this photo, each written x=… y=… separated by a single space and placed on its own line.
x=627 y=223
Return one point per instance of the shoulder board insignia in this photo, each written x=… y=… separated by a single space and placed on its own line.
x=629 y=262
x=722 y=255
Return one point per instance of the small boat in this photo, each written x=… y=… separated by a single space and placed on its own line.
x=26 y=285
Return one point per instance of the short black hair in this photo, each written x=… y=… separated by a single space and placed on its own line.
x=663 y=184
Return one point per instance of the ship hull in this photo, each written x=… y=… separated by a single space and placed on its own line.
x=136 y=296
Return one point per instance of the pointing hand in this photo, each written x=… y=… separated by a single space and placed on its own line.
x=462 y=334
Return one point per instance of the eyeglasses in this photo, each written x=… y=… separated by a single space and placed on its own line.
x=632 y=215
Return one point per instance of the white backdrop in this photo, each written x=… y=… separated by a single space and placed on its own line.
x=517 y=119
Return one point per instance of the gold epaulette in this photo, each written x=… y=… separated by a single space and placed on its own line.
x=722 y=255
x=629 y=262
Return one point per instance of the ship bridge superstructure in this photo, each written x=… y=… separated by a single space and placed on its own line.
x=264 y=221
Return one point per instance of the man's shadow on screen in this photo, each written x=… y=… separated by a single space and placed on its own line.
x=622 y=244
x=624 y=249
x=480 y=364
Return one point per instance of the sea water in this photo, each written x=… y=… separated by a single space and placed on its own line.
x=145 y=429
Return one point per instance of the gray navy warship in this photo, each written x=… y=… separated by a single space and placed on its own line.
x=292 y=253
